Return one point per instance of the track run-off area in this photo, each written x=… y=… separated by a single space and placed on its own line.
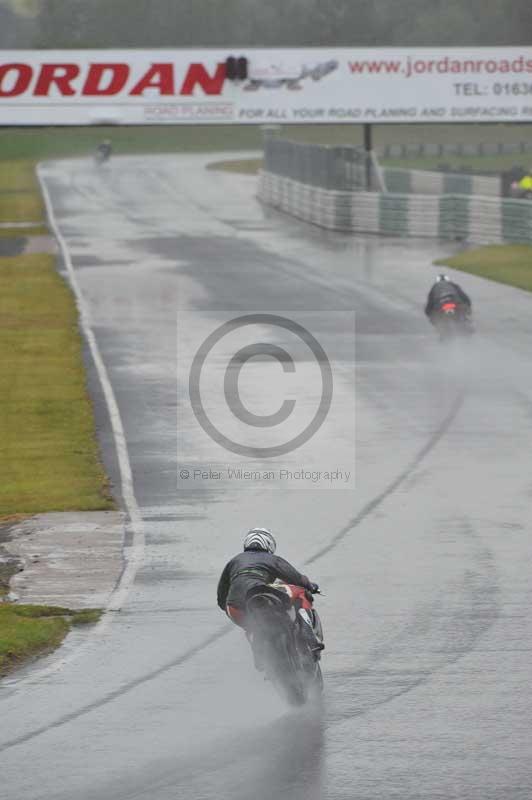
x=425 y=563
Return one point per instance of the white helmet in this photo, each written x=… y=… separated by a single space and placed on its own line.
x=442 y=277
x=260 y=539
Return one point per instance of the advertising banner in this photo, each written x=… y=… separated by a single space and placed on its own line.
x=299 y=85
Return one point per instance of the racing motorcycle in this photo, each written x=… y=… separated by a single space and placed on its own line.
x=286 y=631
x=452 y=321
x=103 y=153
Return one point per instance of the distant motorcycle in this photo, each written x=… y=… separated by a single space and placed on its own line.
x=103 y=152
x=452 y=321
x=284 y=628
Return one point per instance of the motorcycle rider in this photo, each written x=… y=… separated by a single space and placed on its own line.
x=525 y=184
x=258 y=566
x=445 y=290
x=104 y=150
x=521 y=187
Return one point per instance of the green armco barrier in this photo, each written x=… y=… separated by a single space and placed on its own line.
x=517 y=220
x=343 y=211
x=462 y=216
x=457 y=184
x=446 y=218
x=477 y=218
x=398 y=180
x=393 y=214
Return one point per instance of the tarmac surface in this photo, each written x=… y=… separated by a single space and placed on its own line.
x=424 y=556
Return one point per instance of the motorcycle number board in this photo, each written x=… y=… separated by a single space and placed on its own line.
x=297 y=85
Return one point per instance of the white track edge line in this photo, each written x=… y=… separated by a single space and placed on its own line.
x=134 y=553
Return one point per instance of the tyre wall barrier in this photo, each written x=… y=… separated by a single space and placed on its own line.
x=475 y=218
x=417 y=181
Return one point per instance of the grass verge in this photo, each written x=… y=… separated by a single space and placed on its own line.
x=47 y=437
x=20 y=207
x=10 y=233
x=8 y=568
x=20 y=199
x=510 y=264
x=27 y=631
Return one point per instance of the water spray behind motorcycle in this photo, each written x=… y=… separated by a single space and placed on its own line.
x=287 y=640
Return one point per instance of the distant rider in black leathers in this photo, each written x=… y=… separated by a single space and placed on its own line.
x=257 y=566
x=104 y=150
x=443 y=291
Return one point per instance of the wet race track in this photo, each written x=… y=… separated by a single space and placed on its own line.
x=425 y=564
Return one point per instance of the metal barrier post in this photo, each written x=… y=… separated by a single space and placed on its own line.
x=368 y=147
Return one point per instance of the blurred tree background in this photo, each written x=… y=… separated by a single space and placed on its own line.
x=182 y=23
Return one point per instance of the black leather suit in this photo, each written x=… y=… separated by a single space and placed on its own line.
x=254 y=568
x=444 y=291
